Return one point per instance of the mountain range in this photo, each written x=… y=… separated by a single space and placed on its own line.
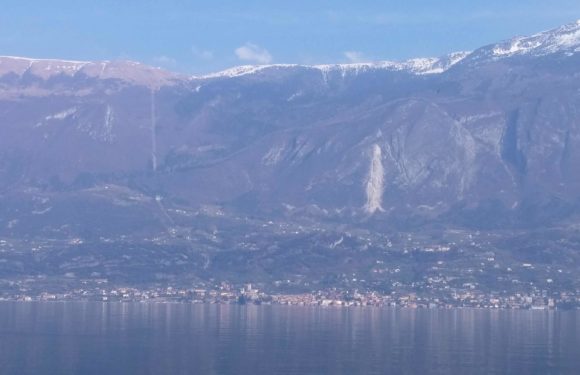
x=119 y=151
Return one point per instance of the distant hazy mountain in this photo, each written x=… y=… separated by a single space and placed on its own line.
x=489 y=138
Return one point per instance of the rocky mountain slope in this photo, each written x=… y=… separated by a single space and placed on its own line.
x=480 y=139
x=305 y=174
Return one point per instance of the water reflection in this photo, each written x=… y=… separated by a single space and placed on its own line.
x=139 y=338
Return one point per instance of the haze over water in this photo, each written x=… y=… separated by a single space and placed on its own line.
x=133 y=338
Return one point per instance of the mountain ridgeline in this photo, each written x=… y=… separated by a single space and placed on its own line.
x=486 y=139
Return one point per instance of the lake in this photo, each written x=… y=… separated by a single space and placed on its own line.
x=142 y=338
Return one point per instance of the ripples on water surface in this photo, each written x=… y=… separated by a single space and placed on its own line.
x=136 y=338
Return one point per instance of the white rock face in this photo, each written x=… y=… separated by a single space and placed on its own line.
x=375 y=182
x=153 y=132
x=108 y=127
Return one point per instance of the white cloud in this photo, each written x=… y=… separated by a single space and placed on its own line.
x=253 y=53
x=354 y=56
x=164 y=61
x=202 y=54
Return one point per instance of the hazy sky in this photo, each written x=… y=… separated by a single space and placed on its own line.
x=198 y=37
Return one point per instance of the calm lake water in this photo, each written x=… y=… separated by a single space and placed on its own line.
x=136 y=338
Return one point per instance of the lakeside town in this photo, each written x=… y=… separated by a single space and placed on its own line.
x=249 y=294
x=311 y=266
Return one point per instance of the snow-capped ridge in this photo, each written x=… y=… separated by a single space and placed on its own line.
x=32 y=60
x=432 y=65
x=565 y=39
x=242 y=70
x=130 y=71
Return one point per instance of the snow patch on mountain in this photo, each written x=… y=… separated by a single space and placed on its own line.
x=61 y=115
x=418 y=66
x=273 y=156
x=337 y=242
x=243 y=70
